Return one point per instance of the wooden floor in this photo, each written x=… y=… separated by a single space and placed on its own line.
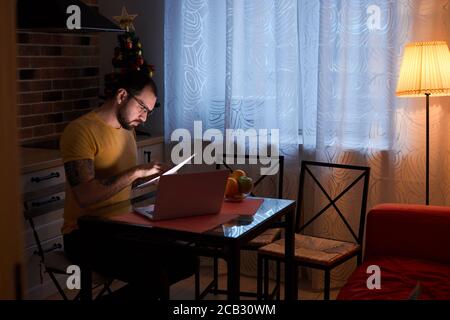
x=184 y=290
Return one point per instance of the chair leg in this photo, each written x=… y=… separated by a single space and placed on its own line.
x=165 y=288
x=216 y=275
x=359 y=259
x=278 y=280
x=259 y=277
x=57 y=285
x=77 y=297
x=296 y=270
x=108 y=289
x=104 y=289
x=166 y=294
x=266 y=278
x=197 y=284
x=326 y=288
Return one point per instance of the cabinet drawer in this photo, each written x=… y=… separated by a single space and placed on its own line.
x=42 y=179
x=48 y=201
x=151 y=153
x=48 y=226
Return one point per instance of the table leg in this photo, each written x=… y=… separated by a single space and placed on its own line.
x=86 y=283
x=290 y=281
x=233 y=259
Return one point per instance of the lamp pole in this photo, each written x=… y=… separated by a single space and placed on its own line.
x=427 y=183
x=425 y=70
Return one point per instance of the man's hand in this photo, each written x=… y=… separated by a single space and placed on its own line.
x=150 y=169
x=89 y=190
x=146 y=172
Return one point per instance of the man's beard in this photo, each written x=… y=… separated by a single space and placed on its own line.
x=126 y=125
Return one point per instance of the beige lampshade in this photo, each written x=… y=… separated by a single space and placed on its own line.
x=425 y=69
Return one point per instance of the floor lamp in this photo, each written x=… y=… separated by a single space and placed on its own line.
x=425 y=71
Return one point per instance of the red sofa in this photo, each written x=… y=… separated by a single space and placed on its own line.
x=411 y=245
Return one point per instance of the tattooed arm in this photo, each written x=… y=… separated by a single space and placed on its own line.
x=88 y=190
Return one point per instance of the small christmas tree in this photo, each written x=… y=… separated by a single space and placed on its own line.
x=128 y=55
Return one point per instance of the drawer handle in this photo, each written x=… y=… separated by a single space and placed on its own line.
x=50 y=176
x=42 y=203
x=55 y=246
x=149 y=155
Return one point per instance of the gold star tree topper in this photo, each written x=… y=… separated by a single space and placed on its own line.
x=125 y=20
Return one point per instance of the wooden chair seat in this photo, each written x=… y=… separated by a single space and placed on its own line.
x=263 y=239
x=57 y=262
x=313 y=250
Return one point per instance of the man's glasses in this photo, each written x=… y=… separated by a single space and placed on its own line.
x=143 y=106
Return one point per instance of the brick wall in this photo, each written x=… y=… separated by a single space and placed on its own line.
x=58 y=80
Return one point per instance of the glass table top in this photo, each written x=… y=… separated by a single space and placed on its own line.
x=233 y=228
x=237 y=227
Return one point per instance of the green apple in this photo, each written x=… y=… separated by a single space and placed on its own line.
x=245 y=184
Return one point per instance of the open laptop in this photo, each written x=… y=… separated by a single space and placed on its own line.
x=187 y=195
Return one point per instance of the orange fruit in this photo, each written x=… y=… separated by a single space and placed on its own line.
x=238 y=173
x=232 y=187
x=237 y=197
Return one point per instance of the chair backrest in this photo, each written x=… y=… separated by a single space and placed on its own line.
x=362 y=174
x=30 y=215
x=261 y=178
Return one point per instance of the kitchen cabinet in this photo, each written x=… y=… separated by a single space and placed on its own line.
x=43 y=200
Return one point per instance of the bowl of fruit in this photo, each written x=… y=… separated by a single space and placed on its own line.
x=239 y=186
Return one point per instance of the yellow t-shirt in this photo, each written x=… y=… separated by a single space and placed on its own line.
x=112 y=150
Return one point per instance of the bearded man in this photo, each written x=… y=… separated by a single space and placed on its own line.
x=99 y=154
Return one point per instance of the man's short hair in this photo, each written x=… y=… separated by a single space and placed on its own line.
x=134 y=82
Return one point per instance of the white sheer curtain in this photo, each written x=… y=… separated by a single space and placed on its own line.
x=349 y=65
x=235 y=65
x=321 y=66
x=349 y=71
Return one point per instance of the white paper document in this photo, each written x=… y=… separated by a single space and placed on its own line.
x=171 y=171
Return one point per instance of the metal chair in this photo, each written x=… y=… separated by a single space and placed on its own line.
x=267 y=237
x=55 y=262
x=317 y=252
